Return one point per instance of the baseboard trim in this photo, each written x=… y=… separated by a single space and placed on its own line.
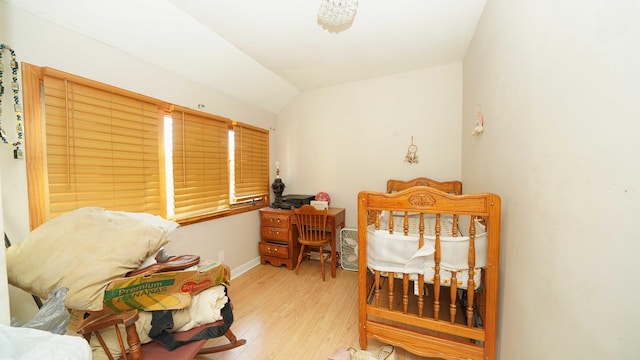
x=235 y=272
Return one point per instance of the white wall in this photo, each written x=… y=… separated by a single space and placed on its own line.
x=557 y=82
x=353 y=137
x=4 y=289
x=42 y=43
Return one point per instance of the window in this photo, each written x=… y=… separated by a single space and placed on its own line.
x=200 y=164
x=101 y=149
x=90 y=144
x=251 y=163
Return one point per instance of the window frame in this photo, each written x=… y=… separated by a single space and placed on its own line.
x=35 y=150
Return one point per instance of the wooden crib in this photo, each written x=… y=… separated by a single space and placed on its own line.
x=442 y=302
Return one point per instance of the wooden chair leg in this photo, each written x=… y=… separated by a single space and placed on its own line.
x=300 y=258
x=322 y=263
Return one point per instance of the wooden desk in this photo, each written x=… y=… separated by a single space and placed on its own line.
x=279 y=236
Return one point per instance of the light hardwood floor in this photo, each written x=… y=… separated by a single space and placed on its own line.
x=284 y=316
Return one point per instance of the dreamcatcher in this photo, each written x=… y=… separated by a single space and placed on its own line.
x=412 y=157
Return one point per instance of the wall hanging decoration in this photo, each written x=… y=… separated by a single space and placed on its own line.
x=411 y=157
x=17 y=150
x=479 y=126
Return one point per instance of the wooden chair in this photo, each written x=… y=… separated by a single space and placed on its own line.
x=153 y=350
x=312 y=233
x=124 y=323
x=94 y=322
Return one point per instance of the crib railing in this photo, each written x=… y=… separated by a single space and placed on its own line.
x=416 y=317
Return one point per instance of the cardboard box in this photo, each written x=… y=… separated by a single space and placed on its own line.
x=161 y=291
x=164 y=291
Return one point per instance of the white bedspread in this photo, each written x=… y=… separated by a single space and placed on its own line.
x=18 y=343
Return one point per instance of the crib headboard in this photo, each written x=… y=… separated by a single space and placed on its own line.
x=391 y=321
x=453 y=187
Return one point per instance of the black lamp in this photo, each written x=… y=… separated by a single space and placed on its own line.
x=277 y=187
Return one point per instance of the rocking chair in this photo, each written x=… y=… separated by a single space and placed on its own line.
x=107 y=243
x=177 y=346
x=154 y=350
x=184 y=347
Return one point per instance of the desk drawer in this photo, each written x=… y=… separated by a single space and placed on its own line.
x=275 y=220
x=271 y=249
x=275 y=233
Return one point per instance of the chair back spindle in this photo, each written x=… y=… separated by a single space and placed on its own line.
x=312 y=233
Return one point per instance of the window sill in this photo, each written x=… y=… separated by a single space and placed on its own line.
x=235 y=209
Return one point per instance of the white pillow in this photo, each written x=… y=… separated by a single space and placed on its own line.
x=84 y=250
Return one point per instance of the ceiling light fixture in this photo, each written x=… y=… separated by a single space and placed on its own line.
x=337 y=12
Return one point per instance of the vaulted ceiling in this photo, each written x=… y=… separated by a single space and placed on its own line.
x=266 y=51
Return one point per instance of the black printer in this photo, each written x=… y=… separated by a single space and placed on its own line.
x=295 y=200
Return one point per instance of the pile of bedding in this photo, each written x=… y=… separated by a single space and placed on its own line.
x=205 y=308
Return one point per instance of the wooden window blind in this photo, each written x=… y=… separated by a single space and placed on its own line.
x=92 y=144
x=101 y=148
x=251 y=159
x=200 y=163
